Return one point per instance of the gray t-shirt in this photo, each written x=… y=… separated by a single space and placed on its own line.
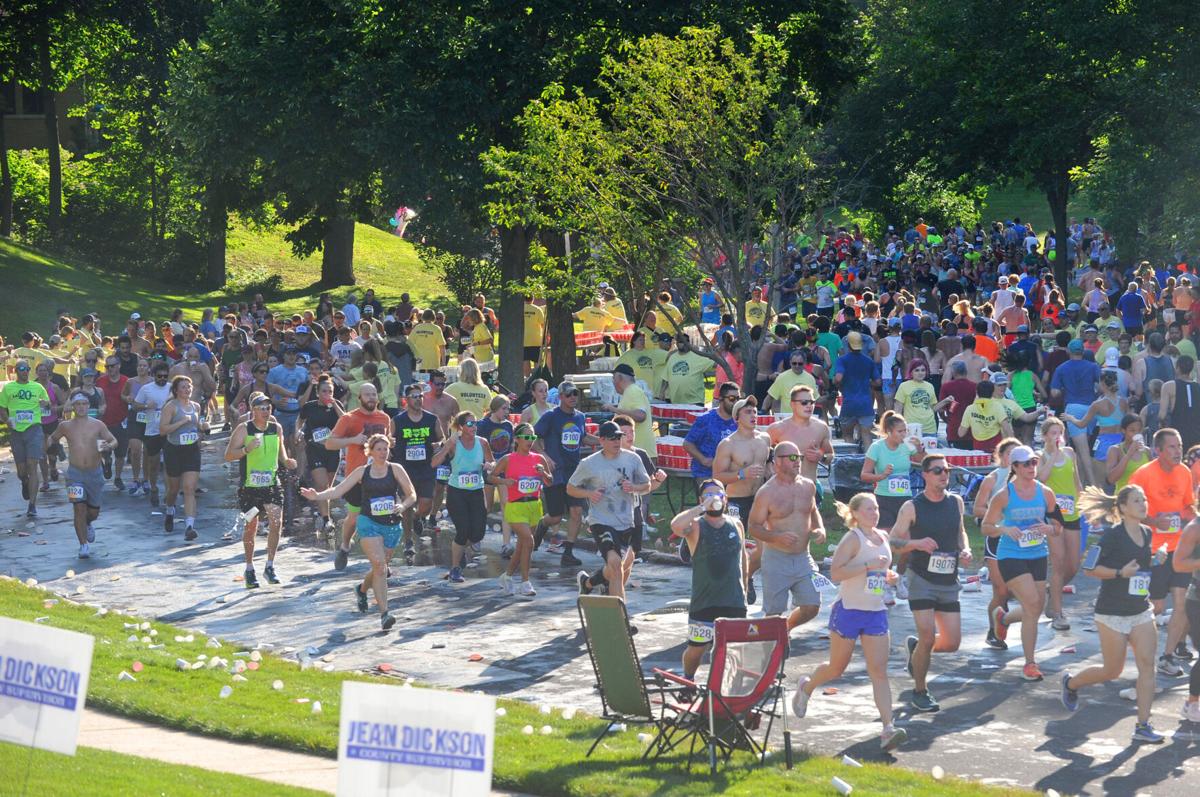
x=597 y=472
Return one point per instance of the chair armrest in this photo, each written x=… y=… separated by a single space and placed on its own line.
x=667 y=675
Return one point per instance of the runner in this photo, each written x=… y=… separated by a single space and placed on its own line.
x=1187 y=560
x=182 y=425
x=378 y=483
x=137 y=427
x=642 y=514
x=351 y=433
x=609 y=480
x=497 y=430
x=416 y=432
x=811 y=435
x=1131 y=453
x=469 y=457
x=930 y=529
x=993 y=484
x=888 y=465
x=1123 y=615
x=1057 y=470
x=741 y=463
x=539 y=389
x=87 y=438
x=318 y=417
x=785 y=518
x=58 y=391
x=259 y=447
x=709 y=429
x=1017 y=515
x=115 y=418
x=861 y=568
x=523 y=473
x=150 y=399
x=562 y=433
x=720 y=569
x=445 y=407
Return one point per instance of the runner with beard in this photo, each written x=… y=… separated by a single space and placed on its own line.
x=741 y=464
x=416 y=432
x=318 y=418
x=445 y=407
x=351 y=434
x=115 y=417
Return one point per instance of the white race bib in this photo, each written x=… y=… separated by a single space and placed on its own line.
x=188 y=438
x=1139 y=584
x=875 y=581
x=469 y=481
x=528 y=486
x=571 y=438
x=821 y=583
x=415 y=453
x=943 y=563
x=1030 y=539
x=141 y=416
x=443 y=473
x=383 y=505
x=1176 y=523
x=1066 y=503
x=700 y=633
x=899 y=484
x=23 y=416
x=75 y=492
x=319 y=435
x=262 y=478
x=152 y=416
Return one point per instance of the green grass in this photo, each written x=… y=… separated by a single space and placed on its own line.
x=547 y=765
x=44 y=283
x=120 y=775
x=1015 y=200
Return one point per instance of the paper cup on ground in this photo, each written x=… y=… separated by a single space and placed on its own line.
x=842 y=786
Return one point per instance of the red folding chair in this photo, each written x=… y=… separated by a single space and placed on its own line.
x=745 y=684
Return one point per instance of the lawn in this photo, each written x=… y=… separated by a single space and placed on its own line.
x=113 y=774
x=1007 y=202
x=44 y=283
x=534 y=764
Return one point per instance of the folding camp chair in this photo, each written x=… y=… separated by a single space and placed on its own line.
x=745 y=684
x=619 y=677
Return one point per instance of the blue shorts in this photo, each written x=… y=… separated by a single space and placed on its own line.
x=1105 y=442
x=366 y=527
x=1078 y=411
x=852 y=623
x=890 y=386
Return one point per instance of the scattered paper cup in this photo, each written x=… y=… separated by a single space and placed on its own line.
x=316 y=707
x=842 y=786
x=544 y=709
x=568 y=713
x=937 y=772
x=124 y=676
x=547 y=730
x=226 y=691
x=277 y=685
x=182 y=664
x=239 y=678
x=644 y=738
x=527 y=730
x=850 y=762
x=500 y=712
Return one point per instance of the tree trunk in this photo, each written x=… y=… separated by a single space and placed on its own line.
x=6 y=185
x=215 y=243
x=1058 y=192
x=50 y=110
x=514 y=262
x=560 y=322
x=337 y=254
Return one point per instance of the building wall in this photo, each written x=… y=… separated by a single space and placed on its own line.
x=25 y=124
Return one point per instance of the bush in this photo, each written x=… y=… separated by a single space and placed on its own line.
x=249 y=280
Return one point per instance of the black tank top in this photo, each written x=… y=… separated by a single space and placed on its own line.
x=939 y=520
x=1185 y=415
x=379 y=497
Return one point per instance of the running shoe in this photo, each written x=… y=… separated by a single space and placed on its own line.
x=251 y=579
x=360 y=598
x=106 y=468
x=91 y=533
x=456 y=575
x=1190 y=711
x=1168 y=666
x=994 y=641
x=584 y=581
x=154 y=496
x=477 y=547
x=923 y=701
x=1031 y=672
x=134 y=488
x=119 y=484
x=328 y=525
x=539 y=534
x=340 y=559
x=190 y=534
x=569 y=560
x=892 y=737
x=45 y=488
x=1144 y=732
x=800 y=699
x=1060 y=623
x=31 y=511
x=527 y=590
x=85 y=551
x=1000 y=627
x=387 y=621
x=506 y=550
x=506 y=584
x=269 y=574
x=911 y=644
x=1068 y=696
x=169 y=520
x=1182 y=653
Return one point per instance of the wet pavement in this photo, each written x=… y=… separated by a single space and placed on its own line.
x=992 y=727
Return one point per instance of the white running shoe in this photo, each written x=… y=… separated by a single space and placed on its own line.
x=1190 y=711
x=85 y=551
x=800 y=699
x=506 y=584
x=527 y=590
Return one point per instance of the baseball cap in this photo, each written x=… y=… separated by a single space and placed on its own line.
x=609 y=429
x=1110 y=358
x=1114 y=324
x=742 y=403
x=854 y=341
x=663 y=337
x=1023 y=328
x=135 y=316
x=1075 y=347
x=1022 y=454
x=1073 y=307
x=567 y=388
x=625 y=369
x=999 y=378
x=302 y=329
x=258 y=398
x=89 y=372
x=893 y=322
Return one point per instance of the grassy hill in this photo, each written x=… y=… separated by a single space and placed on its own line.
x=1008 y=202
x=40 y=284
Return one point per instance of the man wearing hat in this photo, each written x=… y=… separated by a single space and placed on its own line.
x=307 y=343
x=1075 y=383
x=563 y=433
x=609 y=481
x=286 y=379
x=87 y=438
x=613 y=305
x=636 y=404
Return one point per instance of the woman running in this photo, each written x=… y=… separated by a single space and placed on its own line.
x=522 y=474
x=994 y=483
x=51 y=417
x=497 y=430
x=888 y=465
x=387 y=494
x=861 y=567
x=1059 y=471
x=468 y=456
x=1017 y=515
x=181 y=425
x=1128 y=455
x=540 y=389
x=1124 y=618
x=1108 y=410
x=317 y=419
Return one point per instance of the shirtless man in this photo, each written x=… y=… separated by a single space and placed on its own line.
x=741 y=465
x=445 y=407
x=784 y=519
x=87 y=438
x=975 y=363
x=811 y=435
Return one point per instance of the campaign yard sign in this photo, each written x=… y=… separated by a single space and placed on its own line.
x=43 y=684
x=415 y=742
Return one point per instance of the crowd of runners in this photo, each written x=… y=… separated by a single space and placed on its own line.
x=896 y=353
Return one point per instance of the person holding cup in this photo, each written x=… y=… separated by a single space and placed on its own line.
x=888 y=465
x=87 y=439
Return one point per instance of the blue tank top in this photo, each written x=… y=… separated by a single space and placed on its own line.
x=466 y=469
x=1113 y=418
x=1022 y=513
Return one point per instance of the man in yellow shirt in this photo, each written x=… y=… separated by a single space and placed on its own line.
x=428 y=343
x=780 y=391
x=758 y=312
x=535 y=331
x=614 y=305
x=636 y=404
x=595 y=318
x=646 y=361
x=684 y=373
x=669 y=317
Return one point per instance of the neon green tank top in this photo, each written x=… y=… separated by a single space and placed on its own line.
x=1062 y=482
x=260 y=467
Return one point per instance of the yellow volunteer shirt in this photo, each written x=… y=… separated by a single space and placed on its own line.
x=984 y=417
x=781 y=388
x=535 y=325
x=481 y=340
x=669 y=318
x=643 y=433
x=646 y=364
x=616 y=309
x=685 y=377
x=425 y=340
x=595 y=319
x=756 y=313
x=476 y=398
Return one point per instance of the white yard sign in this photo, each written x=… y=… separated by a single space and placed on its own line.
x=43 y=685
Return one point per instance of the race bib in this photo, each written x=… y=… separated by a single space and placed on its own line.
x=528 y=486
x=1139 y=584
x=899 y=484
x=262 y=478
x=943 y=563
x=75 y=492
x=416 y=453
x=443 y=473
x=700 y=633
x=383 y=505
x=469 y=481
x=1030 y=539
x=1176 y=522
x=821 y=583
x=570 y=438
x=188 y=438
x=875 y=581
x=141 y=416
x=93 y=413
x=152 y=416
x=319 y=435
x=733 y=511
x=23 y=416
x=1066 y=503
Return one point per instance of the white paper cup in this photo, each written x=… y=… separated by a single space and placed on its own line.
x=842 y=786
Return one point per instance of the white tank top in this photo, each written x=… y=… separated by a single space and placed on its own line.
x=864 y=592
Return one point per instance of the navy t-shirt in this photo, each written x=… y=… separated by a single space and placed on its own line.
x=1077 y=380
x=1133 y=308
x=856 y=369
x=561 y=433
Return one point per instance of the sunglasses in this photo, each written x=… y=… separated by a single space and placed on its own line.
x=23 y=368
x=938 y=470
x=568 y=394
x=1029 y=462
x=731 y=397
x=411 y=396
x=797 y=363
x=792 y=457
x=438 y=384
x=262 y=406
x=468 y=424
x=527 y=437
x=804 y=402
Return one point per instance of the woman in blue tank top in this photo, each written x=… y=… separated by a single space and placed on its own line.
x=470 y=457
x=1018 y=516
x=1107 y=411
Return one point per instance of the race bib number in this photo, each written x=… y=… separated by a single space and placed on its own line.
x=141 y=416
x=188 y=438
x=469 y=481
x=75 y=492
x=93 y=413
x=1176 y=523
x=875 y=581
x=528 y=486
x=821 y=583
x=1030 y=539
x=700 y=633
x=1066 y=503
x=443 y=473
x=319 y=435
x=733 y=511
x=152 y=416
x=383 y=505
x=415 y=453
x=942 y=563
x=1139 y=584
x=23 y=416
x=571 y=438
x=262 y=478
x=899 y=484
